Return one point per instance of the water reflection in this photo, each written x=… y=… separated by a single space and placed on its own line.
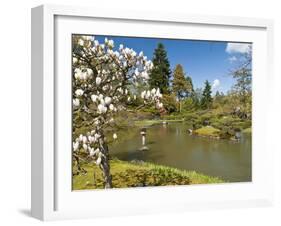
x=171 y=145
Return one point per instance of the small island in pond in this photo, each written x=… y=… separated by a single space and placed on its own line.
x=160 y=112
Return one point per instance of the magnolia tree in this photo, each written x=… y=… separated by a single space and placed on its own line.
x=102 y=77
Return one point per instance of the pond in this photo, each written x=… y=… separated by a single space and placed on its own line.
x=171 y=145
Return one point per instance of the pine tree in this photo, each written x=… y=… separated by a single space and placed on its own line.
x=160 y=74
x=190 y=83
x=217 y=95
x=206 y=96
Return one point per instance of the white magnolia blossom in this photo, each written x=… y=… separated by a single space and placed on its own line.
x=92 y=152
x=76 y=102
x=94 y=98
x=85 y=146
x=84 y=140
x=84 y=74
x=74 y=59
x=102 y=109
x=159 y=105
x=81 y=42
x=79 y=92
x=75 y=146
x=91 y=139
x=103 y=75
x=153 y=94
x=107 y=100
x=98 y=81
x=111 y=107
x=96 y=43
x=97 y=136
x=111 y=43
x=98 y=162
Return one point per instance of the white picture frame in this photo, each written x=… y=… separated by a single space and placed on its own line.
x=52 y=197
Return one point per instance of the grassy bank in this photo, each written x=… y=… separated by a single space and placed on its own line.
x=248 y=130
x=145 y=123
x=208 y=131
x=138 y=174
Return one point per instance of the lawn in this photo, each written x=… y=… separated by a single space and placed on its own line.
x=248 y=130
x=138 y=174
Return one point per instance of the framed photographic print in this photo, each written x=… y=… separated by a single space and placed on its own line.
x=136 y=113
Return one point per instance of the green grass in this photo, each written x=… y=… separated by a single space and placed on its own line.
x=208 y=131
x=248 y=130
x=145 y=123
x=139 y=174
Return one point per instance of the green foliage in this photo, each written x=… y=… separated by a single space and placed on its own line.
x=225 y=122
x=181 y=86
x=137 y=174
x=220 y=116
x=169 y=101
x=206 y=96
x=147 y=123
x=197 y=97
x=248 y=130
x=208 y=131
x=188 y=104
x=243 y=86
x=189 y=81
x=160 y=74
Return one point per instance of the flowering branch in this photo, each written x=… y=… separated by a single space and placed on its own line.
x=102 y=77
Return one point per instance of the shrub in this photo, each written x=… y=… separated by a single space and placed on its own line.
x=169 y=101
x=208 y=131
x=188 y=104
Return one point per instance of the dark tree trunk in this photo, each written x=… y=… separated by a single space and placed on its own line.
x=79 y=168
x=105 y=166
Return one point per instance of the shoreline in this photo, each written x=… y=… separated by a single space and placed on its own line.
x=126 y=174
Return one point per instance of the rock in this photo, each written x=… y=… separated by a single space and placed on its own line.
x=144 y=148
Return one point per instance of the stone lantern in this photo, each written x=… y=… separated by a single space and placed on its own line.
x=143 y=135
x=143 y=138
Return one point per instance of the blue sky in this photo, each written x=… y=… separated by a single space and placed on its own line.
x=202 y=60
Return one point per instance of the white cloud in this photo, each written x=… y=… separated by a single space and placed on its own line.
x=237 y=48
x=232 y=59
x=216 y=84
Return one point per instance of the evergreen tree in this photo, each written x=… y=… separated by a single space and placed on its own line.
x=161 y=72
x=190 y=83
x=181 y=86
x=218 y=98
x=217 y=95
x=206 y=96
x=197 y=97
